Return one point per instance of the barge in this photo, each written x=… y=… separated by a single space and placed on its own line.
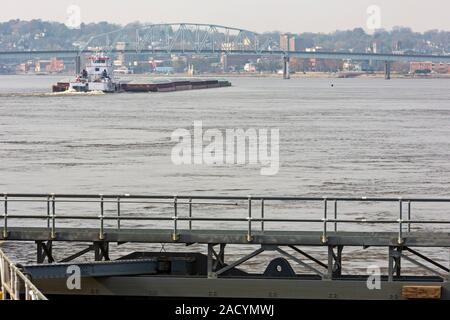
x=173 y=85
x=97 y=76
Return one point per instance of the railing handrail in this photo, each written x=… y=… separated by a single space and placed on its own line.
x=176 y=200
x=8 y=269
x=206 y=197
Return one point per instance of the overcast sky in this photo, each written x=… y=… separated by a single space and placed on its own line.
x=255 y=15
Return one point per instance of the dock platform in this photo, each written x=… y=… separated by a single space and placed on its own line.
x=285 y=227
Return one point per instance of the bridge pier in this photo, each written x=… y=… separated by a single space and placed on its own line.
x=78 y=64
x=286 y=72
x=387 y=70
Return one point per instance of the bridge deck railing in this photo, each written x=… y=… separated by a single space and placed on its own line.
x=254 y=221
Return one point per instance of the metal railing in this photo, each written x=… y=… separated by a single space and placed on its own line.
x=13 y=281
x=252 y=222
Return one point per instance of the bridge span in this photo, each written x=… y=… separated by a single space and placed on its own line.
x=204 y=39
x=298 y=54
x=329 y=55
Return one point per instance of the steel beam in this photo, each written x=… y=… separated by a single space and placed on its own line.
x=96 y=269
x=239 y=262
x=78 y=254
x=394 y=262
x=300 y=238
x=194 y=287
x=429 y=260
x=44 y=251
x=308 y=256
x=101 y=251
x=334 y=261
x=300 y=262
x=423 y=266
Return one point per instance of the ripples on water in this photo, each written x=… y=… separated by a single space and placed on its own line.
x=361 y=137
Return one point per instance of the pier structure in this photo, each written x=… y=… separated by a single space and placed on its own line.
x=286 y=71
x=286 y=228
x=387 y=70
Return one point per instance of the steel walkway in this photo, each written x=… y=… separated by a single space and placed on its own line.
x=278 y=225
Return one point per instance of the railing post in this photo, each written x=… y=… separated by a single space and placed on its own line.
x=14 y=283
x=12 y=294
x=249 y=218
x=409 y=216
x=262 y=215
x=118 y=213
x=175 y=235
x=5 y=216
x=101 y=235
x=400 y=223
x=27 y=292
x=335 y=216
x=190 y=213
x=2 y=276
x=325 y=220
x=53 y=231
x=48 y=213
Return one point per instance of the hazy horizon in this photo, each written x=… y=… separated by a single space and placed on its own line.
x=259 y=16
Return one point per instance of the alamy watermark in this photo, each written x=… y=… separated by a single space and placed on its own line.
x=374 y=280
x=373 y=17
x=73 y=20
x=213 y=147
x=73 y=281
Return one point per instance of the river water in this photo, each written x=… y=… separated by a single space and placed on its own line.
x=338 y=137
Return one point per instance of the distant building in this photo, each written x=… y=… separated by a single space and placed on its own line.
x=6 y=69
x=349 y=65
x=442 y=68
x=41 y=66
x=313 y=63
x=250 y=67
x=22 y=68
x=141 y=66
x=49 y=66
x=120 y=61
x=289 y=42
x=429 y=67
x=164 y=70
x=237 y=61
x=421 y=67
x=56 y=66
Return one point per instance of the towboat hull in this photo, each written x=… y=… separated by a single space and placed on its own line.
x=106 y=86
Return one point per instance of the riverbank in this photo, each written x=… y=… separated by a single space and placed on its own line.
x=307 y=75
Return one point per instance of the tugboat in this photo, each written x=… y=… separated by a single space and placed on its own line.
x=96 y=77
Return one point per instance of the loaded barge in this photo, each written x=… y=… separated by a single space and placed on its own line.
x=97 y=77
x=173 y=85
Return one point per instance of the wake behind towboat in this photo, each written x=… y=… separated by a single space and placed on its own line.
x=98 y=77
